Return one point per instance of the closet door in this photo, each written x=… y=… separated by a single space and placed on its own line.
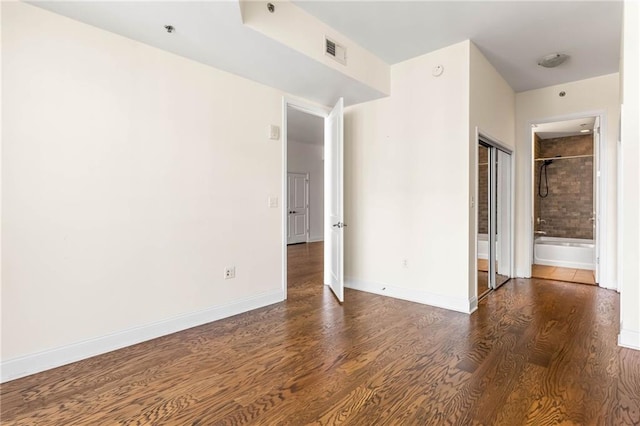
x=501 y=213
x=484 y=283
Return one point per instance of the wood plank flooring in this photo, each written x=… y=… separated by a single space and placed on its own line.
x=535 y=353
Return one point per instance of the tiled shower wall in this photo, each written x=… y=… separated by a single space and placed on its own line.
x=568 y=208
x=483 y=190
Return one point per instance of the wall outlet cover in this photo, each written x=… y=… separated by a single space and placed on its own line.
x=229 y=272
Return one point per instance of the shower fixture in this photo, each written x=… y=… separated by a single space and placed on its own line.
x=543 y=168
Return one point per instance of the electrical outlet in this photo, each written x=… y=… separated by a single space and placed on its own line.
x=405 y=263
x=229 y=272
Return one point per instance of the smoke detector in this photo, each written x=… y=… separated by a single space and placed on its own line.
x=552 y=60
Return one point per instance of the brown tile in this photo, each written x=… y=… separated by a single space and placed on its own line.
x=542 y=271
x=584 y=276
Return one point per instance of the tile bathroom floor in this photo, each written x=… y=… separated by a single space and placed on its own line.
x=582 y=276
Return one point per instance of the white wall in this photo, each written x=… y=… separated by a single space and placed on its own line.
x=123 y=198
x=492 y=113
x=630 y=185
x=307 y=158
x=492 y=101
x=407 y=184
x=1 y=174
x=599 y=94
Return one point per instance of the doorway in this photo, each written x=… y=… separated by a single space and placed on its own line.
x=565 y=200
x=312 y=157
x=495 y=215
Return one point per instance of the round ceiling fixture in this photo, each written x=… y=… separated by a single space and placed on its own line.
x=552 y=60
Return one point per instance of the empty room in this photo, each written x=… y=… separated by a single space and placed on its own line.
x=318 y=212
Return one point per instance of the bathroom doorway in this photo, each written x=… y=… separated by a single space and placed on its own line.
x=565 y=200
x=495 y=216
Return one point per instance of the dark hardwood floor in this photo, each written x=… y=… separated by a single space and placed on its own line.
x=536 y=352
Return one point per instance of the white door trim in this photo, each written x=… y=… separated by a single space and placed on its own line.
x=309 y=108
x=601 y=205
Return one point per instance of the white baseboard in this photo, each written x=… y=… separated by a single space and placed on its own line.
x=447 y=302
x=41 y=361
x=473 y=305
x=523 y=273
x=629 y=339
x=609 y=285
x=315 y=239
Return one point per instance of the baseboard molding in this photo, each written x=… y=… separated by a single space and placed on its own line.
x=629 y=339
x=41 y=361
x=473 y=305
x=315 y=240
x=609 y=285
x=452 y=303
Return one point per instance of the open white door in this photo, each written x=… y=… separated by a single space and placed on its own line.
x=333 y=204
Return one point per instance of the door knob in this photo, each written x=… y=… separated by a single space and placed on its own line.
x=339 y=225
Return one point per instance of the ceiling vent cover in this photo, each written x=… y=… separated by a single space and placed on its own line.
x=335 y=51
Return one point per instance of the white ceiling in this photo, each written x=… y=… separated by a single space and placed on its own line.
x=513 y=35
x=560 y=129
x=305 y=128
x=211 y=32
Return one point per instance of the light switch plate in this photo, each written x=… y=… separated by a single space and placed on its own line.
x=273 y=202
x=274 y=132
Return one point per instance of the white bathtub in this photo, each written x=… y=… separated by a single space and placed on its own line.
x=564 y=252
x=483 y=246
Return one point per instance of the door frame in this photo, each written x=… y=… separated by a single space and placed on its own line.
x=307 y=222
x=603 y=263
x=309 y=108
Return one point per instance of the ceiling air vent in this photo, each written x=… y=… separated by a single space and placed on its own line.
x=335 y=51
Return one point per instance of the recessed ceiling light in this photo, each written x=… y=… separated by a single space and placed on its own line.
x=585 y=131
x=552 y=60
